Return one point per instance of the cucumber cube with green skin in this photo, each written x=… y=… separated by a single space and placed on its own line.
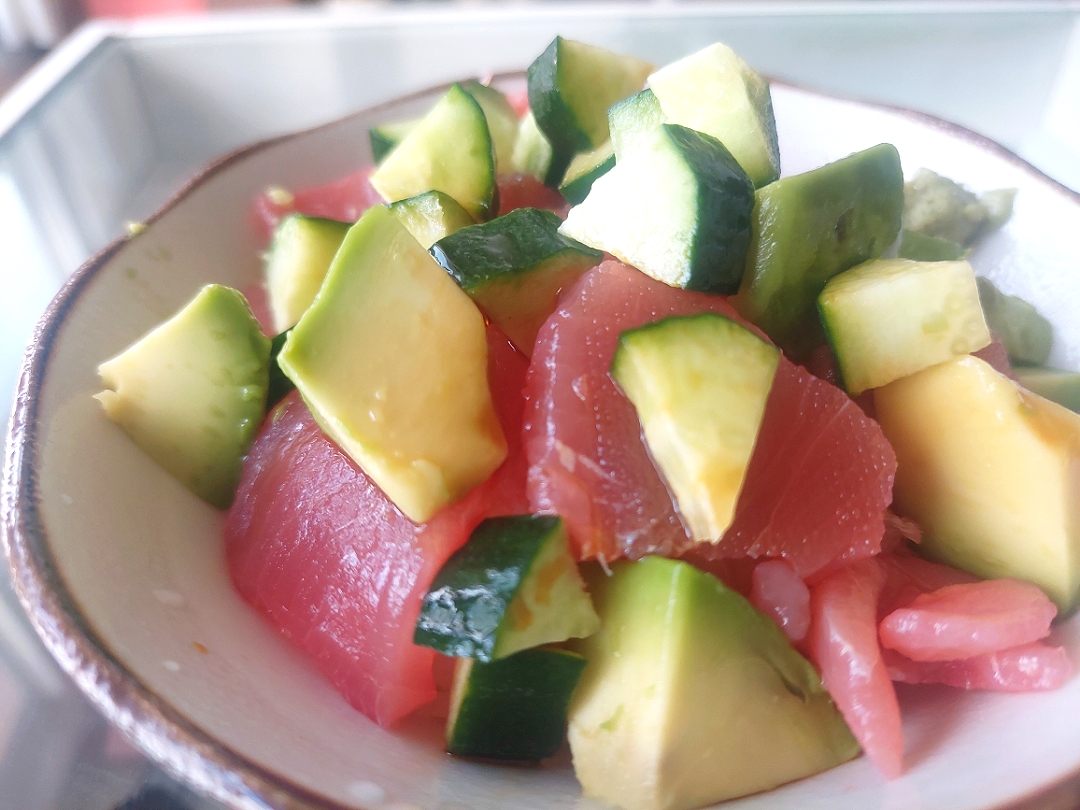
x=191 y=393
x=716 y=92
x=431 y=216
x=920 y=248
x=584 y=170
x=502 y=121
x=627 y=120
x=677 y=207
x=808 y=228
x=571 y=87
x=699 y=385
x=1062 y=387
x=532 y=152
x=450 y=150
x=514 y=268
x=392 y=361
x=296 y=263
x=889 y=318
x=386 y=136
x=279 y=385
x=690 y=696
x=512 y=709
x=1026 y=334
x=512 y=587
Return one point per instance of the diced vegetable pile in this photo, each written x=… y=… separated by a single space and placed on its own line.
x=665 y=453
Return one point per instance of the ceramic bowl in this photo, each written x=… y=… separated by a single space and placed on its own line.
x=122 y=572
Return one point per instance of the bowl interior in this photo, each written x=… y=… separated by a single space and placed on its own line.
x=123 y=569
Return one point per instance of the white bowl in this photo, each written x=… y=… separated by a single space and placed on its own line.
x=122 y=570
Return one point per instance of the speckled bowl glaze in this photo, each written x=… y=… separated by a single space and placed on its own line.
x=122 y=572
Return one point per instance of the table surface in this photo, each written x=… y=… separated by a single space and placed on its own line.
x=107 y=127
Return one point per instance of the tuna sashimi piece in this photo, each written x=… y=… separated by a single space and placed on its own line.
x=314 y=544
x=819 y=481
x=777 y=591
x=344 y=200
x=844 y=645
x=1034 y=667
x=907 y=577
x=817 y=486
x=525 y=191
x=963 y=621
x=587 y=461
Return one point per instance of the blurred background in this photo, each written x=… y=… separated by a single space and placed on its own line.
x=107 y=107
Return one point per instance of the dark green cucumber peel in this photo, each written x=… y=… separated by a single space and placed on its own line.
x=514 y=268
x=513 y=709
x=473 y=607
x=809 y=227
x=576 y=187
x=280 y=386
x=725 y=207
x=555 y=119
x=511 y=245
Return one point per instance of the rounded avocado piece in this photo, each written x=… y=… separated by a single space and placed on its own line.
x=192 y=392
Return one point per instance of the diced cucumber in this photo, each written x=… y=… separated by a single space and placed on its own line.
x=889 y=318
x=632 y=117
x=922 y=248
x=808 y=228
x=699 y=384
x=716 y=92
x=386 y=136
x=513 y=586
x=502 y=122
x=1027 y=335
x=431 y=216
x=279 y=386
x=514 y=267
x=389 y=410
x=677 y=208
x=584 y=170
x=571 y=87
x=1062 y=387
x=296 y=264
x=191 y=392
x=514 y=708
x=450 y=150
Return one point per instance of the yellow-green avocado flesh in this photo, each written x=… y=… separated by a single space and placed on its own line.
x=690 y=696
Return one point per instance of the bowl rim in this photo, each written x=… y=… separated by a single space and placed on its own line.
x=163 y=733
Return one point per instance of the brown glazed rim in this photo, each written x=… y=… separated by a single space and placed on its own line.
x=146 y=720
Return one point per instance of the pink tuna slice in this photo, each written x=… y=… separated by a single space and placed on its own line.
x=1036 y=667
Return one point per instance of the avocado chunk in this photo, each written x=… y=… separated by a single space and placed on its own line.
x=1062 y=387
x=392 y=361
x=939 y=207
x=808 y=228
x=514 y=267
x=690 y=696
x=449 y=150
x=716 y=92
x=514 y=708
x=296 y=263
x=431 y=216
x=921 y=248
x=988 y=470
x=571 y=87
x=889 y=318
x=191 y=393
x=513 y=586
x=1026 y=335
x=699 y=384
x=677 y=207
